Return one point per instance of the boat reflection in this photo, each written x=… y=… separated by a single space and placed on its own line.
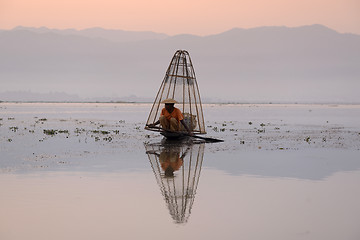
x=177 y=169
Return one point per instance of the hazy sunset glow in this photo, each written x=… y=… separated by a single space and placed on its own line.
x=201 y=17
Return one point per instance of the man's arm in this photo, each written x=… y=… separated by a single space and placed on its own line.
x=153 y=124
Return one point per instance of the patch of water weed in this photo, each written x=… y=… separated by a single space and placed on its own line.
x=307 y=139
x=108 y=139
x=50 y=132
x=11 y=118
x=79 y=130
x=9 y=140
x=14 y=129
x=261 y=131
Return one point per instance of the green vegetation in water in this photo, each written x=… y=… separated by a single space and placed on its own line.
x=79 y=130
x=109 y=139
x=50 y=132
x=14 y=129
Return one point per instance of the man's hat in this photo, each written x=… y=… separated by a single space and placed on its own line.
x=169 y=101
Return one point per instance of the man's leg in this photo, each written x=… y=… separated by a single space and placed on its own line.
x=165 y=124
x=174 y=125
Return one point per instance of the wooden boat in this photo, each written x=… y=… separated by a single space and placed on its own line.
x=179 y=84
x=173 y=135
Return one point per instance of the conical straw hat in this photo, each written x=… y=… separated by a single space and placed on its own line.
x=169 y=100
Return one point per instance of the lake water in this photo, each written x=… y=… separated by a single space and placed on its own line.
x=91 y=171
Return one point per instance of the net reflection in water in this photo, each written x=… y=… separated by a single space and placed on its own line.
x=177 y=171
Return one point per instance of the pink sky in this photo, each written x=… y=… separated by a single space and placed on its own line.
x=200 y=17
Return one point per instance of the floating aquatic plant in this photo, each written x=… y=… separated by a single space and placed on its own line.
x=14 y=129
x=50 y=132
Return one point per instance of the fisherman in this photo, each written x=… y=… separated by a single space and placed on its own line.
x=171 y=117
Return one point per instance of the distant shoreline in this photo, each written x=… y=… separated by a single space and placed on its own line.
x=204 y=103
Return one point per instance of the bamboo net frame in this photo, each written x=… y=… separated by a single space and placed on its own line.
x=180 y=84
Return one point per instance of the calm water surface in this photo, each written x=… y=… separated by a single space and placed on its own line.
x=81 y=185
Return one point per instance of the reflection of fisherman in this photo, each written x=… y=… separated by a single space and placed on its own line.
x=170 y=160
x=171 y=117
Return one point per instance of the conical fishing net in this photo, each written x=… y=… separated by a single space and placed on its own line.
x=180 y=84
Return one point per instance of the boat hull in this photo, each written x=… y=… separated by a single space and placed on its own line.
x=174 y=135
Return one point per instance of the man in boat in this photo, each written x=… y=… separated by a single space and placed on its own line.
x=171 y=117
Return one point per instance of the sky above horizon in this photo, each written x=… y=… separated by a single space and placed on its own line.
x=200 y=17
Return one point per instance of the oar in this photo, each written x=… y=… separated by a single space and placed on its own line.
x=186 y=134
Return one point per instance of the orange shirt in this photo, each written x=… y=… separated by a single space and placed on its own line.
x=176 y=113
